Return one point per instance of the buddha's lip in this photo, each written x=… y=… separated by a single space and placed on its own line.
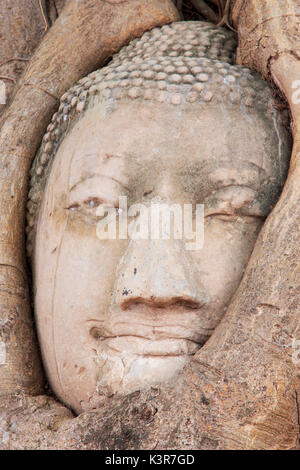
x=139 y=345
x=193 y=334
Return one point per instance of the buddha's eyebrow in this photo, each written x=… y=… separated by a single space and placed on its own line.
x=97 y=175
x=87 y=165
x=203 y=178
x=106 y=156
x=199 y=169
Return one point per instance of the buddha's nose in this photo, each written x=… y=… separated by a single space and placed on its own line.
x=158 y=273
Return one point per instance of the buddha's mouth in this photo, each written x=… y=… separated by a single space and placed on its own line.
x=142 y=346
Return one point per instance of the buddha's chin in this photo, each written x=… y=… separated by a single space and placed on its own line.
x=122 y=373
x=141 y=346
x=122 y=365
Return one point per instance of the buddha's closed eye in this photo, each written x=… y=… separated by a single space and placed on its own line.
x=89 y=208
x=232 y=201
x=90 y=202
x=92 y=192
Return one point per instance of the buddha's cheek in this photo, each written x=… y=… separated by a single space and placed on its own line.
x=222 y=261
x=84 y=280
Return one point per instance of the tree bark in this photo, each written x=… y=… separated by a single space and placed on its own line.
x=21 y=30
x=269 y=42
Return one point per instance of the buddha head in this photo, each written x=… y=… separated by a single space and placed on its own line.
x=169 y=119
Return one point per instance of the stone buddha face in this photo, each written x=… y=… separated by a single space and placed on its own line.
x=118 y=315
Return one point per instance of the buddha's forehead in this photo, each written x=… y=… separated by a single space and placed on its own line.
x=142 y=135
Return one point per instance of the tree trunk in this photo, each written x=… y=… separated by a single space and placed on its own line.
x=21 y=30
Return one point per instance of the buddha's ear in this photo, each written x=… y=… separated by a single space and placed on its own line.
x=98 y=29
